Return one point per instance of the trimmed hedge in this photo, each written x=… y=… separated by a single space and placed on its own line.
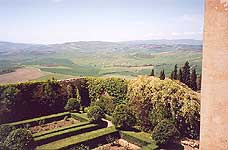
x=64 y=134
x=150 y=147
x=138 y=138
x=38 y=98
x=35 y=121
x=81 y=117
x=91 y=139
x=60 y=129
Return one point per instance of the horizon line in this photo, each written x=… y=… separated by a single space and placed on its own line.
x=100 y=41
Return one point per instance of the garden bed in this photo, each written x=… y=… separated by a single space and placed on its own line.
x=53 y=125
x=39 y=120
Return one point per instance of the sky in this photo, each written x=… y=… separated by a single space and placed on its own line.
x=59 y=21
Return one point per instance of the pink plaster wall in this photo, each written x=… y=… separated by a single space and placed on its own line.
x=214 y=101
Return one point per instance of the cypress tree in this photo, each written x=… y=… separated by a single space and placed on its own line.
x=186 y=74
x=152 y=72
x=162 y=75
x=199 y=82
x=175 y=72
x=193 y=80
x=180 y=75
x=172 y=75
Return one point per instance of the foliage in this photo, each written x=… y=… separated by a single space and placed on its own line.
x=106 y=103
x=162 y=75
x=7 y=101
x=43 y=133
x=186 y=74
x=54 y=136
x=95 y=113
x=37 y=98
x=159 y=113
x=72 y=105
x=180 y=75
x=138 y=138
x=193 y=80
x=199 y=82
x=174 y=75
x=38 y=120
x=165 y=133
x=152 y=100
x=85 y=138
x=115 y=87
x=19 y=139
x=4 y=132
x=123 y=117
x=152 y=72
x=70 y=91
x=82 y=117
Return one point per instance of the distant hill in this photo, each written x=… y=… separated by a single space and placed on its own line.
x=167 y=42
x=100 y=58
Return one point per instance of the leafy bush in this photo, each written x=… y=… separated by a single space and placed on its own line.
x=7 y=101
x=72 y=105
x=106 y=103
x=19 y=139
x=115 y=87
x=159 y=113
x=95 y=113
x=123 y=117
x=4 y=132
x=153 y=100
x=165 y=133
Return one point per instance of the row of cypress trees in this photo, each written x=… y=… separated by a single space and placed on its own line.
x=185 y=75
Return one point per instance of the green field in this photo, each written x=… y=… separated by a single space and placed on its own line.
x=104 y=59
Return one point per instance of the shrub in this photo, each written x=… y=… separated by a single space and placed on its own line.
x=7 y=102
x=4 y=132
x=106 y=103
x=123 y=117
x=19 y=139
x=159 y=113
x=115 y=87
x=72 y=105
x=95 y=113
x=165 y=133
x=153 y=100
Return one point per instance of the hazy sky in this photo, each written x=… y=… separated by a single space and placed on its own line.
x=58 y=21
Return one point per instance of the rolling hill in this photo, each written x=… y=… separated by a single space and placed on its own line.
x=98 y=58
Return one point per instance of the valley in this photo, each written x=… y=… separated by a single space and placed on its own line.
x=100 y=59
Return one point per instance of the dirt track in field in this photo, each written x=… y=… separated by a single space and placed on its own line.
x=21 y=75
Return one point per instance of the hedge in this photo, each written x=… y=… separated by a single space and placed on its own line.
x=35 y=121
x=150 y=147
x=38 y=98
x=141 y=139
x=91 y=139
x=65 y=133
x=81 y=117
x=115 y=87
x=108 y=117
x=49 y=97
x=60 y=129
